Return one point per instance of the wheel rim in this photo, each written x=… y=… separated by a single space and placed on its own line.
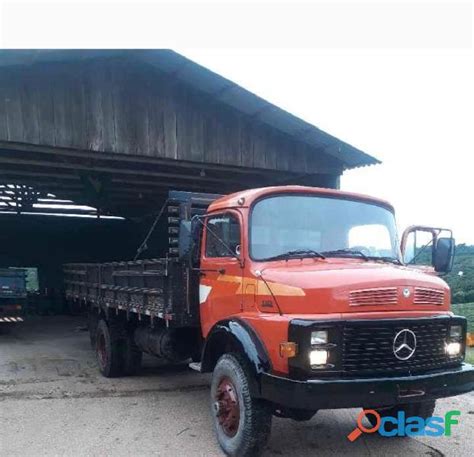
x=227 y=407
x=101 y=350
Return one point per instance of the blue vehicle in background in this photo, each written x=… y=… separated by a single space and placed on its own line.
x=13 y=295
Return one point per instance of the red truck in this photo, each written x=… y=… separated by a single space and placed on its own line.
x=296 y=299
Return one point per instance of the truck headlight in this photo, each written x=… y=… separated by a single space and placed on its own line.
x=319 y=337
x=318 y=357
x=453 y=349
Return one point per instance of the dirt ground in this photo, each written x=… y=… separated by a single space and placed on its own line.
x=53 y=402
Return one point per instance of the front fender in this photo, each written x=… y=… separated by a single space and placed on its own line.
x=235 y=335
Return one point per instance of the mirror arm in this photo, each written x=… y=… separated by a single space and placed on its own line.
x=420 y=251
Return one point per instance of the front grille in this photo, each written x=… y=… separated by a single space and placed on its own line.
x=425 y=296
x=368 y=348
x=367 y=297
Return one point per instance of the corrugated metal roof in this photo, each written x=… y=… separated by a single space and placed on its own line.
x=216 y=87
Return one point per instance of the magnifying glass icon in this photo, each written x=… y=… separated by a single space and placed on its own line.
x=361 y=428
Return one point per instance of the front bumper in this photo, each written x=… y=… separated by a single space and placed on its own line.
x=372 y=392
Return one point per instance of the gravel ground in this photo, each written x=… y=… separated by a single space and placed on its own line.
x=53 y=402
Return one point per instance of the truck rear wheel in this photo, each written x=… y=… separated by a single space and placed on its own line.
x=423 y=409
x=110 y=350
x=242 y=423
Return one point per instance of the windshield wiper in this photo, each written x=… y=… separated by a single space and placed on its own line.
x=346 y=253
x=349 y=252
x=297 y=253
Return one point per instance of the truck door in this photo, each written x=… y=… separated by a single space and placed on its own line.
x=220 y=287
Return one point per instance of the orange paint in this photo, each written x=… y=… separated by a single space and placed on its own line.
x=309 y=288
x=470 y=339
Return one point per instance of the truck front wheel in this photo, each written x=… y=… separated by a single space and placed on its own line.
x=423 y=409
x=242 y=423
x=109 y=350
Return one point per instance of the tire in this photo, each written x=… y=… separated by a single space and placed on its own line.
x=92 y=322
x=423 y=409
x=110 y=349
x=242 y=424
x=132 y=357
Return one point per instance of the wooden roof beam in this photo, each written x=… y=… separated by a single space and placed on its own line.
x=134 y=159
x=19 y=162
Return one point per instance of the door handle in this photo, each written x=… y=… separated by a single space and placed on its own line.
x=202 y=272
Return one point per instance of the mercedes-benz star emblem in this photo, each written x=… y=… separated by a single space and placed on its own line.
x=404 y=344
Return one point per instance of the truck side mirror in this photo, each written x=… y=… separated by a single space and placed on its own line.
x=444 y=255
x=425 y=246
x=189 y=241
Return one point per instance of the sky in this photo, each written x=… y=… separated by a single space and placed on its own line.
x=393 y=78
x=412 y=110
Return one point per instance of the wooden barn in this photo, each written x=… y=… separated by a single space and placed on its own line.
x=113 y=131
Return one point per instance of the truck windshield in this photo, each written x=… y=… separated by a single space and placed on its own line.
x=330 y=226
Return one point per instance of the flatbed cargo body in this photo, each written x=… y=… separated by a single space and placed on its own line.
x=153 y=288
x=158 y=289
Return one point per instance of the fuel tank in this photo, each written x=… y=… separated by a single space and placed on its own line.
x=173 y=345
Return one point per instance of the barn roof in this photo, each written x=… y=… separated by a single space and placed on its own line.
x=216 y=87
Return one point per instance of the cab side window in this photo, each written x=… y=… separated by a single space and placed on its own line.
x=222 y=236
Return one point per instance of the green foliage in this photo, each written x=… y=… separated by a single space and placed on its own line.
x=467 y=310
x=470 y=355
x=462 y=286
